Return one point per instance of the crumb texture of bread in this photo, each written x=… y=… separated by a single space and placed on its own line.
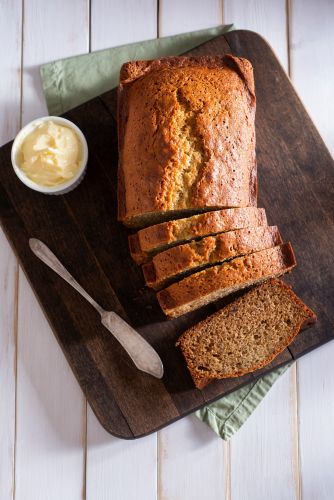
x=151 y=240
x=245 y=335
x=216 y=282
x=208 y=251
x=186 y=137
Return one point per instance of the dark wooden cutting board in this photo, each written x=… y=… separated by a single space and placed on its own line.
x=296 y=182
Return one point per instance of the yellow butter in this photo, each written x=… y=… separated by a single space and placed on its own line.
x=51 y=154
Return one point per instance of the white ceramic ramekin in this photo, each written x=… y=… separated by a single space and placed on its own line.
x=66 y=186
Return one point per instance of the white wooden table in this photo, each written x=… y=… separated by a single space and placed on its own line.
x=51 y=445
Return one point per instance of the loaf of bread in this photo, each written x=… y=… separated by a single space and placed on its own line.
x=186 y=137
x=218 y=281
x=245 y=335
x=183 y=259
x=151 y=240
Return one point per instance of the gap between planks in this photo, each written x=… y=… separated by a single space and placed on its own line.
x=84 y=448
x=21 y=69
x=294 y=387
x=17 y=270
x=158 y=18
x=85 y=406
x=294 y=399
x=158 y=434
x=158 y=468
x=16 y=344
x=227 y=470
x=288 y=34
x=226 y=449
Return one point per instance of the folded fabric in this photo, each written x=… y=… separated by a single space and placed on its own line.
x=228 y=414
x=67 y=83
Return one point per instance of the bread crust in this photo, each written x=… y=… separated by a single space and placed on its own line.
x=221 y=181
x=215 y=282
x=146 y=242
x=199 y=382
x=308 y=317
x=210 y=250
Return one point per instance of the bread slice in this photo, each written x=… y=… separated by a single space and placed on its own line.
x=245 y=335
x=151 y=240
x=182 y=259
x=218 y=281
x=186 y=129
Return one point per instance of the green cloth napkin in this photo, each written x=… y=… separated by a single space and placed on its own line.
x=229 y=413
x=72 y=81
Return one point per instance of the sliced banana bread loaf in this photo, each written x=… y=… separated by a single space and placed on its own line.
x=186 y=137
x=245 y=335
x=176 y=261
x=218 y=281
x=151 y=240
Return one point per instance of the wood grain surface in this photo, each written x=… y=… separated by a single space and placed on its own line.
x=81 y=229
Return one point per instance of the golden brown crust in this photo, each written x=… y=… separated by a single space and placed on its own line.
x=148 y=241
x=212 y=163
x=245 y=70
x=215 y=282
x=199 y=382
x=307 y=317
x=133 y=70
x=210 y=250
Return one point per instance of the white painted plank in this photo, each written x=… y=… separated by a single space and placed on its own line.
x=266 y=18
x=8 y=308
x=118 y=469
x=312 y=61
x=191 y=462
x=264 y=453
x=10 y=68
x=50 y=411
x=52 y=30
x=50 y=405
x=312 y=64
x=117 y=23
x=180 y=16
x=111 y=461
x=316 y=417
x=267 y=446
x=10 y=92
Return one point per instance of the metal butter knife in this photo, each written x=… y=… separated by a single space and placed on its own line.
x=140 y=351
